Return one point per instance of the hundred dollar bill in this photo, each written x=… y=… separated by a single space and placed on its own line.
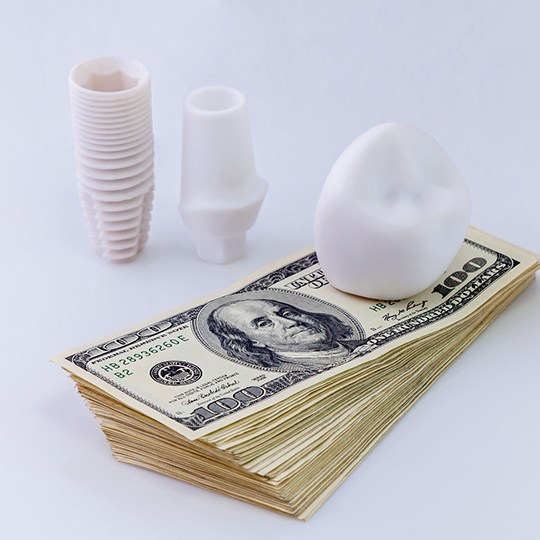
x=226 y=356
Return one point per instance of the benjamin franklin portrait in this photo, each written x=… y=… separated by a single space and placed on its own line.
x=279 y=331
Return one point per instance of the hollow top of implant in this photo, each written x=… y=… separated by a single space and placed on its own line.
x=215 y=100
x=108 y=76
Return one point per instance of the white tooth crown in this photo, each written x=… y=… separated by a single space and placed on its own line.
x=392 y=214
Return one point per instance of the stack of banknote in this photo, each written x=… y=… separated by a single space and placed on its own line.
x=274 y=390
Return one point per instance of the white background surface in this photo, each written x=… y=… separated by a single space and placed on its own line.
x=464 y=462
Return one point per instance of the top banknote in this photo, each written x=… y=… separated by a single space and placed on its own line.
x=217 y=360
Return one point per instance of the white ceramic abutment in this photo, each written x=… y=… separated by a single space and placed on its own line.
x=221 y=192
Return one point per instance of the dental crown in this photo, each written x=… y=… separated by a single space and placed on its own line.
x=392 y=214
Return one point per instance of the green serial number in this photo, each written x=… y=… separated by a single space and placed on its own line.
x=116 y=366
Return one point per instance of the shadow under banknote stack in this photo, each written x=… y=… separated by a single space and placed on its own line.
x=209 y=395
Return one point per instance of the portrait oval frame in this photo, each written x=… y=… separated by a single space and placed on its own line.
x=296 y=299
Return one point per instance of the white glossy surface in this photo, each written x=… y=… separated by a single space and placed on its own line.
x=392 y=214
x=463 y=463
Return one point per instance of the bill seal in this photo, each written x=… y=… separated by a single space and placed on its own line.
x=175 y=373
